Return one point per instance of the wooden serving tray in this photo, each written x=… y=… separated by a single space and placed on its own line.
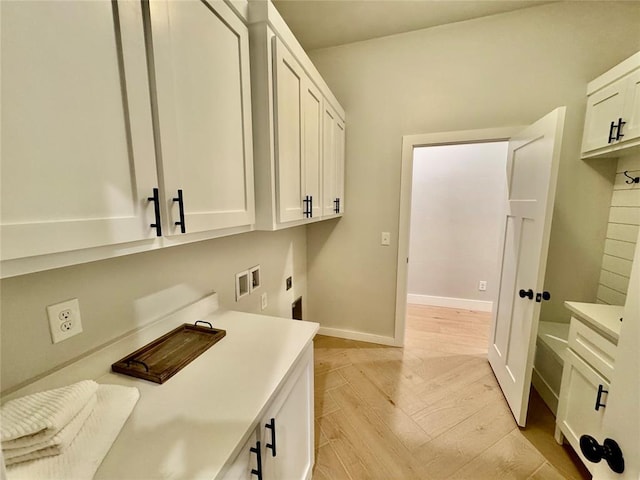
x=161 y=359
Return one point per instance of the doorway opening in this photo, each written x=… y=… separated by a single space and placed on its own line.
x=455 y=224
x=455 y=185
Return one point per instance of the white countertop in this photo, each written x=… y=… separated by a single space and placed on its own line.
x=603 y=318
x=195 y=423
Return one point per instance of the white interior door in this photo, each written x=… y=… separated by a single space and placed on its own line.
x=622 y=414
x=532 y=168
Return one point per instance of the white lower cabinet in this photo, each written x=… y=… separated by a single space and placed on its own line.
x=584 y=387
x=281 y=446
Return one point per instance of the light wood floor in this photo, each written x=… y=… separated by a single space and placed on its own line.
x=430 y=410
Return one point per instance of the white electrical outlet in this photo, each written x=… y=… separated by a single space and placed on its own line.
x=482 y=285
x=263 y=301
x=64 y=320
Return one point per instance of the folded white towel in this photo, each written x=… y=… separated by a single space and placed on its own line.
x=38 y=417
x=56 y=444
x=83 y=457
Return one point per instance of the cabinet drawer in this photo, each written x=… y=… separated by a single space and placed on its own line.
x=592 y=347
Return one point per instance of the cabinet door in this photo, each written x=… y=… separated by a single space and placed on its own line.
x=603 y=107
x=246 y=461
x=329 y=170
x=292 y=419
x=340 y=138
x=631 y=114
x=78 y=160
x=333 y=162
x=312 y=146
x=289 y=79
x=577 y=414
x=201 y=66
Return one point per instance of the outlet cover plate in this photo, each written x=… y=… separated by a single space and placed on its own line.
x=64 y=320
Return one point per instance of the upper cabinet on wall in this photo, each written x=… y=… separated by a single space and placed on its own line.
x=612 y=122
x=333 y=163
x=124 y=125
x=201 y=73
x=299 y=155
x=78 y=161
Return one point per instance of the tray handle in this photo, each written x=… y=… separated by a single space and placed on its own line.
x=139 y=362
x=202 y=321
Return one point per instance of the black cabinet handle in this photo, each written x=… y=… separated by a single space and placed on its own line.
x=611 y=137
x=619 y=133
x=599 y=403
x=257 y=471
x=307 y=208
x=272 y=426
x=311 y=206
x=180 y=201
x=156 y=207
x=609 y=450
x=336 y=203
x=526 y=293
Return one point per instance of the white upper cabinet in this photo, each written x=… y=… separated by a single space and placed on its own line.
x=289 y=79
x=290 y=100
x=201 y=72
x=333 y=163
x=124 y=125
x=78 y=160
x=312 y=149
x=612 y=122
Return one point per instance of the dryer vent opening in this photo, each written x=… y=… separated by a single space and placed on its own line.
x=296 y=309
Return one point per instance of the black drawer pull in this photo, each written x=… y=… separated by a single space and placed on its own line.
x=180 y=201
x=619 y=133
x=272 y=426
x=599 y=403
x=257 y=471
x=156 y=208
x=611 y=137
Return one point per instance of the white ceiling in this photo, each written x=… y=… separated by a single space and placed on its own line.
x=327 y=23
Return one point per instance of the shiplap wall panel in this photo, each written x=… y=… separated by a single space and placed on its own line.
x=616 y=265
x=622 y=234
x=627 y=233
x=619 y=249
x=610 y=296
x=620 y=283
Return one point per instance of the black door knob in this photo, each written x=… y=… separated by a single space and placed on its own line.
x=609 y=450
x=526 y=293
x=543 y=296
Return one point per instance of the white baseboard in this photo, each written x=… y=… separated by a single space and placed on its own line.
x=464 y=303
x=360 y=336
